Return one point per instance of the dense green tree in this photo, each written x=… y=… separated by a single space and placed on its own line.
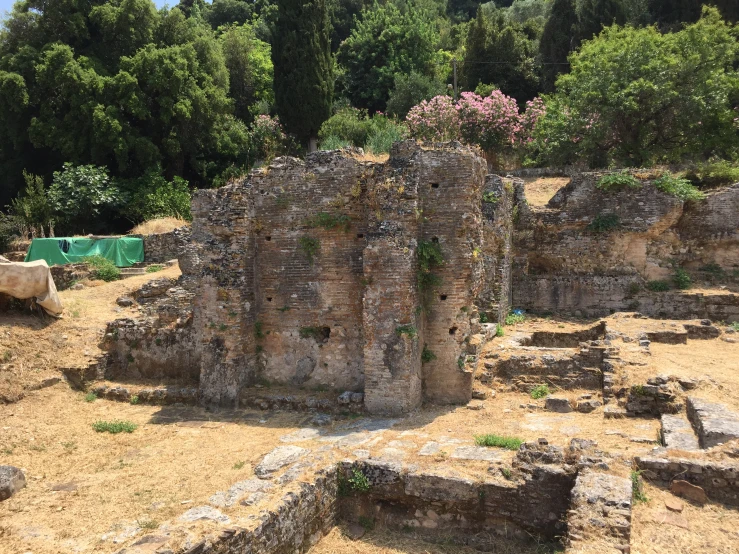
x=558 y=39
x=635 y=96
x=249 y=65
x=301 y=54
x=501 y=52
x=671 y=14
x=593 y=15
x=410 y=90
x=121 y=85
x=386 y=42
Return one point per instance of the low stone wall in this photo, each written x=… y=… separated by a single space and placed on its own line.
x=162 y=247
x=532 y=502
x=719 y=480
x=591 y=252
x=297 y=523
x=67 y=275
x=158 y=345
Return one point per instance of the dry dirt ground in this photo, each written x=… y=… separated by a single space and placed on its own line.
x=540 y=190
x=91 y=492
x=32 y=348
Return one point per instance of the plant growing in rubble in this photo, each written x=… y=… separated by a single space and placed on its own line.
x=539 y=391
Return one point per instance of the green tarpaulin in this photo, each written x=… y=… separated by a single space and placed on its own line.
x=122 y=251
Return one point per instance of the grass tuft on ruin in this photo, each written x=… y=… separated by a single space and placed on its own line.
x=114 y=427
x=498 y=441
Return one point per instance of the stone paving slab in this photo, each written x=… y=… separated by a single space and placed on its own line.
x=678 y=433
x=714 y=423
x=481 y=453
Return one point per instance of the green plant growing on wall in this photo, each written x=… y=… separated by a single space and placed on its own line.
x=678 y=187
x=618 y=181
x=429 y=257
x=427 y=355
x=329 y=221
x=681 y=279
x=539 y=391
x=604 y=223
x=258 y=330
x=658 y=286
x=310 y=247
x=636 y=487
x=490 y=197
x=356 y=481
x=409 y=330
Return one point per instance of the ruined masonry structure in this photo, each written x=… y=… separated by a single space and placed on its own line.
x=342 y=274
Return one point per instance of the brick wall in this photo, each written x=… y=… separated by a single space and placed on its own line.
x=306 y=274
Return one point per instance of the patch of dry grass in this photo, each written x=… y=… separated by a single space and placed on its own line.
x=153 y=474
x=713 y=528
x=159 y=225
x=33 y=349
x=539 y=191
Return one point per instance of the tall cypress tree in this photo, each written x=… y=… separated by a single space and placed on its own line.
x=301 y=55
x=596 y=14
x=557 y=41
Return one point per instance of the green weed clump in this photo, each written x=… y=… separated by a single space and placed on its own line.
x=429 y=257
x=658 y=286
x=91 y=397
x=329 y=221
x=540 y=391
x=154 y=268
x=678 y=187
x=409 y=330
x=427 y=355
x=355 y=482
x=310 y=247
x=604 y=223
x=114 y=427
x=103 y=268
x=512 y=318
x=637 y=493
x=499 y=441
x=618 y=181
x=682 y=279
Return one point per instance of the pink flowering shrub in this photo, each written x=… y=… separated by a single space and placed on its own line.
x=535 y=110
x=434 y=120
x=268 y=139
x=491 y=122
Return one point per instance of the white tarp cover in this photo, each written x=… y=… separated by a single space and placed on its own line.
x=30 y=280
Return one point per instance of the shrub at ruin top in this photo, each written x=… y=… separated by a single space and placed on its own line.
x=636 y=97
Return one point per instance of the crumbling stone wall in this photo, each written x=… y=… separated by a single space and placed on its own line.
x=497 y=211
x=306 y=274
x=562 y=264
x=162 y=247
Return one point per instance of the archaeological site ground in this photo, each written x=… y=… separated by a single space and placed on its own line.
x=343 y=355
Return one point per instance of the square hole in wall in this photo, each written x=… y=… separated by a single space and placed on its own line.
x=434 y=185
x=442 y=297
x=268 y=238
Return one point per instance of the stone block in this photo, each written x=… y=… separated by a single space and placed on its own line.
x=678 y=433
x=557 y=404
x=12 y=480
x=714 y=423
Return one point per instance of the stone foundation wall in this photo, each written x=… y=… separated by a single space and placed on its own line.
x=306 y=274
x=719 y=480
x=162 y=247
x=532 y=503
x=564 y=265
